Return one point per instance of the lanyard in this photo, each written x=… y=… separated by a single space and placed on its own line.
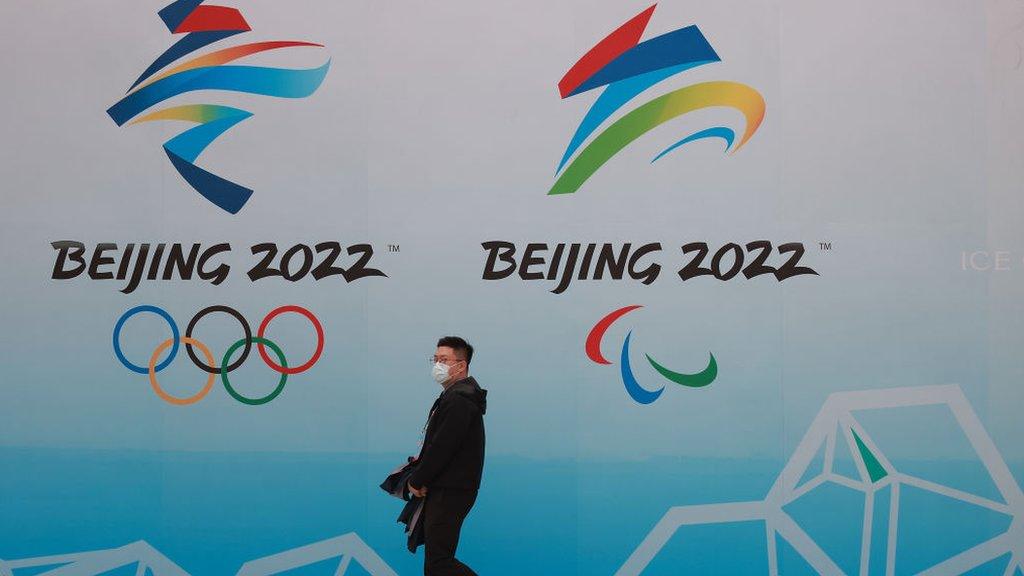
x=433 y=409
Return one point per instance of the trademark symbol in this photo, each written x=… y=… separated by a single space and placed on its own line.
x=824 y=245
x=394 y=248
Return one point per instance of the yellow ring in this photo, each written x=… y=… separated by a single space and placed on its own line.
x=156 y=385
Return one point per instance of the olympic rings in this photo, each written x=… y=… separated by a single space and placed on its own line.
x=248 y=343
x=117 y=337
x=156 y=385
x=245 y=327
x=319 y=339
x=209 y=365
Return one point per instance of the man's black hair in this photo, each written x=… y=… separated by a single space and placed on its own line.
x=459 y=345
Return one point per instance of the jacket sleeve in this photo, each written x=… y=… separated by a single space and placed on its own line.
x=452 y=421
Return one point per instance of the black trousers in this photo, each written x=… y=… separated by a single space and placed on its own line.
x=443 y=513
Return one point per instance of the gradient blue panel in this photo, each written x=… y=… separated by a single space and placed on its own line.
x=833 y=516
x=635 y=496
x=791 y=563
x=210 y=512
x=933 y=528
x=207 y=512
x=728 y=548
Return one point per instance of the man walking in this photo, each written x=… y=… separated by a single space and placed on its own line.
x=452 y=459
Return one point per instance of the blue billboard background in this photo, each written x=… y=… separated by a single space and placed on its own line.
x=863 y=419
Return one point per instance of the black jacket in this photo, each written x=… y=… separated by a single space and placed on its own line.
x=397 y=484
x=453 y=447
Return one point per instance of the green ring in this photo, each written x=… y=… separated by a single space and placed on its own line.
x=227 y=384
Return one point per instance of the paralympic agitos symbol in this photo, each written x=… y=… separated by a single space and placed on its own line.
x=226 y=365
x=628 y=67
x=637 y=392
x=204 y=25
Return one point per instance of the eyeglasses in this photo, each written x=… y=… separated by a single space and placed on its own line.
x=444 y=360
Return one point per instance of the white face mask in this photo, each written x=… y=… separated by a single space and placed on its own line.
x=440 y=372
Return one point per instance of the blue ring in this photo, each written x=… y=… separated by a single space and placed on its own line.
x=117 y=338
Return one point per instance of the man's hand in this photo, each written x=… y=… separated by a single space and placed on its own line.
x=421 y=493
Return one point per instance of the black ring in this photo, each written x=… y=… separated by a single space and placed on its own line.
x=245 y=326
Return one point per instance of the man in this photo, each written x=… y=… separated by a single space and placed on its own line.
x=452 y=459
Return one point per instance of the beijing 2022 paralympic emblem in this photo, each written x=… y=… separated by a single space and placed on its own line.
x=626 y=68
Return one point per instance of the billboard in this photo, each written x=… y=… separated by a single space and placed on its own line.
x=743 y=280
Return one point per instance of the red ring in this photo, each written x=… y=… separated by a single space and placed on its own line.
x=319 y=339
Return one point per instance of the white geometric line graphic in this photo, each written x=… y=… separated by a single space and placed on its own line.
x=348 y=548
x=99 y=561
x=834 y=423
